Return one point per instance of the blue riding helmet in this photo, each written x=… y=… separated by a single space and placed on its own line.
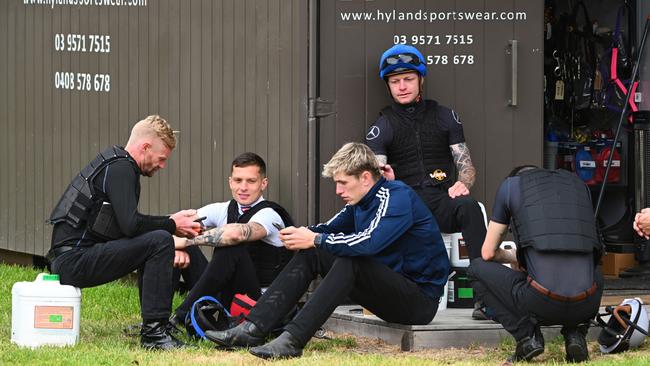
x=401 y=58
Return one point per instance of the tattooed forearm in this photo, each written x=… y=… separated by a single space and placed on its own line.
x=382 y=159
x=211 y=237
x=245 y=232
x=463 y=161
x=230 y=234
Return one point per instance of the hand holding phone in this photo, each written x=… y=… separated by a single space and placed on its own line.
x=199 y=230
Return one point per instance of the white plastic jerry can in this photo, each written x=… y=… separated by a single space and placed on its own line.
x=44 y=312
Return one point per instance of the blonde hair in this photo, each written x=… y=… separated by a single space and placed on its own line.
x=154 y=126
x=352 y=159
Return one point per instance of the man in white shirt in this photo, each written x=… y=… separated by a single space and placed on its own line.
x=248 y=219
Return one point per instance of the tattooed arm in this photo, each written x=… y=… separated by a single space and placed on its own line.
x=463 y=161
x=230 y=234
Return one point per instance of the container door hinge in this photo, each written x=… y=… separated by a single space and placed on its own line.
x=321 y=108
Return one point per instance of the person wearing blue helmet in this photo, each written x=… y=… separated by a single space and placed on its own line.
x=422 y=143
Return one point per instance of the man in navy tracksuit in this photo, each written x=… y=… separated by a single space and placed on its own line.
x=383 y=250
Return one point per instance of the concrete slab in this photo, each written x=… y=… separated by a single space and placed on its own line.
x=450 y=328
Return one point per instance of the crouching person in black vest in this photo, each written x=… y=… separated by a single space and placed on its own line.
x=554 y=279
x=99 y=235
x=383 y=250
x=247 y=219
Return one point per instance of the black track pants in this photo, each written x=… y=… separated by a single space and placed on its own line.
x=152 y=254
x=519 y=307
x=386 y=293
x=193 y=272
x=453 y=215
x=229 y=272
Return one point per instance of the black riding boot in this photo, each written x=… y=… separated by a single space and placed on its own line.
x=245 y=334
x=285 y=346
x=575 y=343
x=156 y=335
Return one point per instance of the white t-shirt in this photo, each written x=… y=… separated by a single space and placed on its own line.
x=217 y=215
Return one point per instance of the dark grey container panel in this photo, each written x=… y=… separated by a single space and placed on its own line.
x=230 y=75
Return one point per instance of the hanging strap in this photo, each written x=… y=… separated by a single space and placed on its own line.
x=617 y=42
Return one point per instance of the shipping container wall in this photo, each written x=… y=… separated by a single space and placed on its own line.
x=230 y=75
x=470 y=68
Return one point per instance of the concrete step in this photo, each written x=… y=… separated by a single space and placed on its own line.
x=450 y=328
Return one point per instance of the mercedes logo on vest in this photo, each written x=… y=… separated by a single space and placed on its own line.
x=373 y=133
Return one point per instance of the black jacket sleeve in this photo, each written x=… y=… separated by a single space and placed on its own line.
x=380 y=136
x=120 y=181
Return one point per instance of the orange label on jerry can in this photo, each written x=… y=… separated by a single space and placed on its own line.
x=53 y=317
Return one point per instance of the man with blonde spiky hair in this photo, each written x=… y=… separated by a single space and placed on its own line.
x=99 y=235
x=383 y=250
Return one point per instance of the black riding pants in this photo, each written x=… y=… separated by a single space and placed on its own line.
x=229 y=272
x=519 y=307
x=152 y=254
x=192 y=273
x=453 y=215
x=386 y=293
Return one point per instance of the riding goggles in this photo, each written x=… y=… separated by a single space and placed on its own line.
x=402 y=58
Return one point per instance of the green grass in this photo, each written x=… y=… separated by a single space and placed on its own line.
x=107 y=310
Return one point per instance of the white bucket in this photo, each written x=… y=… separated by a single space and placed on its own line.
x=459 y=249
x=442 y=305
x=44 y=312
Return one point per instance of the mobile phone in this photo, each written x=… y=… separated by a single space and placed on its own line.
x=278 y=226
x=200 y=219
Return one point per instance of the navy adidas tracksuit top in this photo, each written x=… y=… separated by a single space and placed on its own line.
x=391 y=224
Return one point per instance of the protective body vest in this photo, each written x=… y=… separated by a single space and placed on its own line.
x=556 y=213
x=267 y=259
x=81 y=201
x=419 y=151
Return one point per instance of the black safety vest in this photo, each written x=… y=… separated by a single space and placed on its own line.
x=80 y=200
x=419 y=152
x=556 y=213
x=267 y=259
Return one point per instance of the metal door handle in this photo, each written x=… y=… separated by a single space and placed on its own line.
x=513 y=54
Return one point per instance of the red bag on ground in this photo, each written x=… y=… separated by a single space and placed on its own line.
x=241 y=305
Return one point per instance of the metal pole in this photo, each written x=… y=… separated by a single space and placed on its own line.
x=635 y=74
x=313 y=176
